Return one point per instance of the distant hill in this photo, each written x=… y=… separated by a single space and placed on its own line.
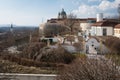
x=6 y=28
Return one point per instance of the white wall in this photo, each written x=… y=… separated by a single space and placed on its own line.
x=92 y=45
x=98 y=46
x=41 y=27
x=93 y=42
x=98 y=31
x=117 y=34
x=85 y=26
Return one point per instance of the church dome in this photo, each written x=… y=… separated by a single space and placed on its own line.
x=62 y=14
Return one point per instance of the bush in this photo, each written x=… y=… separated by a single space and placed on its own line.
x=89 y=69
x=26 y=62
x=31 y=50
x=39 y=52
x=113 y=44
x=114 y=57
x=79 y=46
x=57 y=55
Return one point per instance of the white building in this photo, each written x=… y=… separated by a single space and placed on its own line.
x=103 y=28
x=86 y=25
x=41 y=28
x=117 y=31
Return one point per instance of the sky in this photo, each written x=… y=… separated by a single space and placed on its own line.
x=35 y=12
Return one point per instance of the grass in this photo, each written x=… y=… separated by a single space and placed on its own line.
x=115 y=58
x=80 y=55
x=11 y=67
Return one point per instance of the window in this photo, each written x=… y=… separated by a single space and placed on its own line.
x=104 y=31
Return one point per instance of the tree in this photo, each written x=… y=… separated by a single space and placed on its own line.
x=113 y=43
x=70 y=22
x=38 y=52
x=52 y=29
x=90 y=69
x=32 y=50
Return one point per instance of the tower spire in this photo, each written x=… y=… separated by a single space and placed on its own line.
x=11 y=28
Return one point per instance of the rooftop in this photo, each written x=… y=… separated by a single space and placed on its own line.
x=105 y=23
x=117 y=26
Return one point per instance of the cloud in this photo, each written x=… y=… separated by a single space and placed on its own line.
x=93 y=0
x=85 y=10
x=108 y=7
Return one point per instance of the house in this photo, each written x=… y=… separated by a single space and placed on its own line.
x=86 y=26
x=117 y=30
x=103 y=28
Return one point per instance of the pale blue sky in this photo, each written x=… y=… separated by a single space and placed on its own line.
x=31 y=12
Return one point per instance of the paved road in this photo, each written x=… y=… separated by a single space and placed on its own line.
x=8 y=76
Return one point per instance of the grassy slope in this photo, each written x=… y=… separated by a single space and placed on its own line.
x=10 y=67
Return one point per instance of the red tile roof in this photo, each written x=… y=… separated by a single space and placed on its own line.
x=106 y=23
x=117 y=26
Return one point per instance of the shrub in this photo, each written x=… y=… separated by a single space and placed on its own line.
x=31 y=50
x=114 y=57
x=89 y=69
x=79 y=46
x=113 y=44
x=40 y=53
x=57 y=55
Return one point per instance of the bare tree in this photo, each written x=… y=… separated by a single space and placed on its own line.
x=54 y=29
x=113 y=43
x=70 y=22
x=90 y=69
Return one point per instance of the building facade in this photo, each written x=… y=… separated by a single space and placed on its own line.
x=117 y=31
x=103 y=28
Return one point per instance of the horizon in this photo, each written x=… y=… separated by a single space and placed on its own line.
x=14 y=25
x=33 y=13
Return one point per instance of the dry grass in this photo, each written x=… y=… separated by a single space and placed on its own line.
x=89 y=69
x=11 y=67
